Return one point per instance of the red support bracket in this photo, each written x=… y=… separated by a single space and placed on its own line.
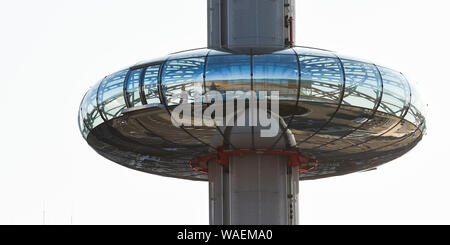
x=222 y=158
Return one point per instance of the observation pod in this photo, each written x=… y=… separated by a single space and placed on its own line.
x=336 y=115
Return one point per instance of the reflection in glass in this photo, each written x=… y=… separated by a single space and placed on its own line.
x=276 y=73
x=89 y=111
x=133 y=89
x=343 y=138
x=228 y=72
x=150 y=84
x=183 y=75
x=362 y=84
x=396 y=93
x=322 y=79
x=110 y=95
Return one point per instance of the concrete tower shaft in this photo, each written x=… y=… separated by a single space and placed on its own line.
x=252 y=189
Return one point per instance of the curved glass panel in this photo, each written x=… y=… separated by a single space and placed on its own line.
x=362 y=92
x=89 y=111
x=362 y=84
x=417 y=110
x=361 y=139
x=396 y=92
x=423 y=127
x=151 y=61
x=322 y=79
x=419 y=103
x=183 y=75
x=347 y=57
x=321 y=87
x=133 y=89
x=285 y=51
x=215 y=52
x=83 y=129
x=228 y=72
x=189 y=54
x=150 y=84
x=110 y=95
x=313 y=52
x=276 y=73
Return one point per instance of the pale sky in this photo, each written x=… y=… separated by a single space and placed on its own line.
x=51 y=52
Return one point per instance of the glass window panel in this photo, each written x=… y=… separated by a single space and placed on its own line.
x=348 y=57
x=214 y=52
x=413 y=116
x=276 y=73
x=110 y=95
x=133 y=89
x=183 y=75
x=228 y=72
x=81 y=125
x=322 y=79
x=150 y=84
x=83 y=129
x=285 y=51
x=395 y=94
x=362 y=84
x=151 y=61
x=344 y=122
x=417 y=111
x=313 y=52
x=189 y=54
x=423 y=127
x=89 y=111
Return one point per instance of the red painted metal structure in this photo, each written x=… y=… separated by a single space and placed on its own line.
x=295 y=159
x=291 y=32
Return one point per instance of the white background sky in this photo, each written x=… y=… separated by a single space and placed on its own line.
x=51 y=52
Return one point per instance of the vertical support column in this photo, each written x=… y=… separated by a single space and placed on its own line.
x=253 y=189
x=289 y=22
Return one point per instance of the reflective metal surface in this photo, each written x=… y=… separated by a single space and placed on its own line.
x=348 y=114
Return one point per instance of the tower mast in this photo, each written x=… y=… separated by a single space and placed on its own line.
x=253 y=188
